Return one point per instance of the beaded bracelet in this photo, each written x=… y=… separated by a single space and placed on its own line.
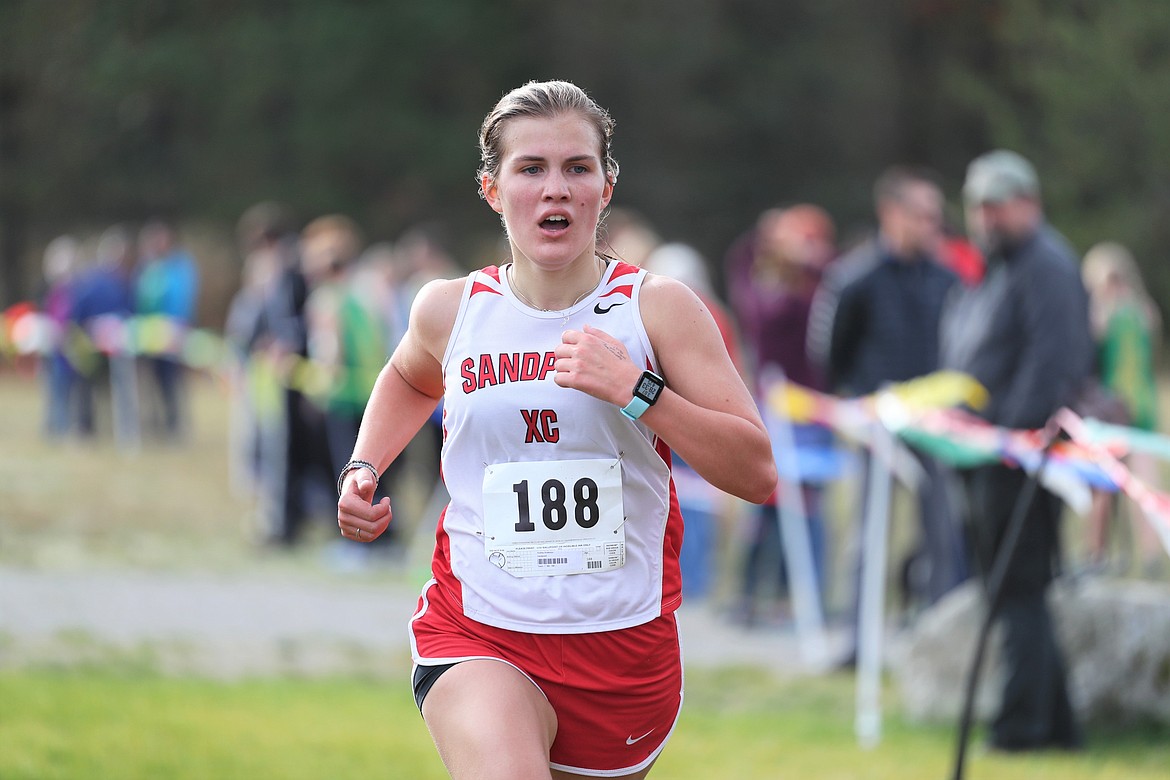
x=356 y=464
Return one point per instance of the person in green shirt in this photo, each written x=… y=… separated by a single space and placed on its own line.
x=1127 y=327
x=346 y=339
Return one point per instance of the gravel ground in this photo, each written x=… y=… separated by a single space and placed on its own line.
x=231 y=626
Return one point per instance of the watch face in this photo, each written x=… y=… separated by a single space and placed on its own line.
x=648 y=388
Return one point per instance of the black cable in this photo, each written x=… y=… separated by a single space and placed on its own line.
x=999 y=569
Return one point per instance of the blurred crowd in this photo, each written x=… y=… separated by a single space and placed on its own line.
x=89 y=297
x=317 y=315
x=319 y=309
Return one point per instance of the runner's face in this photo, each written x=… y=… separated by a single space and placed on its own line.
x=550 y=189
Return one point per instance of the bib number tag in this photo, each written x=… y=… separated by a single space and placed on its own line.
x=554 y=517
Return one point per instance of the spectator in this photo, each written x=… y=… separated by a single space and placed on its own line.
x=345 y=342
x=875 y=321
x=1127 y=329
x=167 y=289
x=1023 y=333
x=268 y=326
x=772 y=274
x=254 y=403
x=61 y=260
x=103 y=299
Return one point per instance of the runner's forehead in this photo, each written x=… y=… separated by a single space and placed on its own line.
x=567 y=137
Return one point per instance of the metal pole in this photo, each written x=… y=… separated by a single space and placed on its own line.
x=868 y=723
x=797 y=542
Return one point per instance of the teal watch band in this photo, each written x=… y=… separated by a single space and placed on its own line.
x=634 y=408
x=646 y=392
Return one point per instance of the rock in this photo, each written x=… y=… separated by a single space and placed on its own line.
x=1115 y=635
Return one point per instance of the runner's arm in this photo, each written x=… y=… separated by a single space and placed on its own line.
x=410 y=385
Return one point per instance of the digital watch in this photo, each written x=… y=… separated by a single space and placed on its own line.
x=647 y=390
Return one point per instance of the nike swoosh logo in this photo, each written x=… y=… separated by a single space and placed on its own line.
x=632 y=740
x=598 y=310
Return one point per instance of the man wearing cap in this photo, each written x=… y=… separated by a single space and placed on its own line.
x=1024 y=334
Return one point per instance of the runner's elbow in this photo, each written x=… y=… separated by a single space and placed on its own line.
x=757 y=483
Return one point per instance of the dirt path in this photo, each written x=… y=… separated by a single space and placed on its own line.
x=231 y=626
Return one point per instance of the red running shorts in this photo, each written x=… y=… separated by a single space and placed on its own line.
x=617 y=694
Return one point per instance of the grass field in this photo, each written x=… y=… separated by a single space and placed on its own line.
x=78 y=506
x=120 y=722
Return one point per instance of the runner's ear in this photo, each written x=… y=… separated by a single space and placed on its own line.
x=491 y=193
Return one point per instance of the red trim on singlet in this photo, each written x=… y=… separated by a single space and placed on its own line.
x=623 y=269
x=479 y=287
x=671 y=541
x=441 y=563
x=620 y=270
x=493 y=273
x=626 y=290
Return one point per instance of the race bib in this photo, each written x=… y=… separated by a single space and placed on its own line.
x=554 y=517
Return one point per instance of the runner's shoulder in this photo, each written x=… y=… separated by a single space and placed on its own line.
x=435 y=307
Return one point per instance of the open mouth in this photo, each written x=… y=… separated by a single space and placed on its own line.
x=555 y=223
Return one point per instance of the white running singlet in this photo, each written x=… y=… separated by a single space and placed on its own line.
x=563 y=517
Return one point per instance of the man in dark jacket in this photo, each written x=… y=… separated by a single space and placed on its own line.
x=1024 y=334
x=875 y=317
x=874 y=322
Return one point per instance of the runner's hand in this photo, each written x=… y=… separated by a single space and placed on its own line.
x=357 y=517
x=596 y=363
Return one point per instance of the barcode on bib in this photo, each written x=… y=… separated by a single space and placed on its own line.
x=594 y=564
x=551 y=561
